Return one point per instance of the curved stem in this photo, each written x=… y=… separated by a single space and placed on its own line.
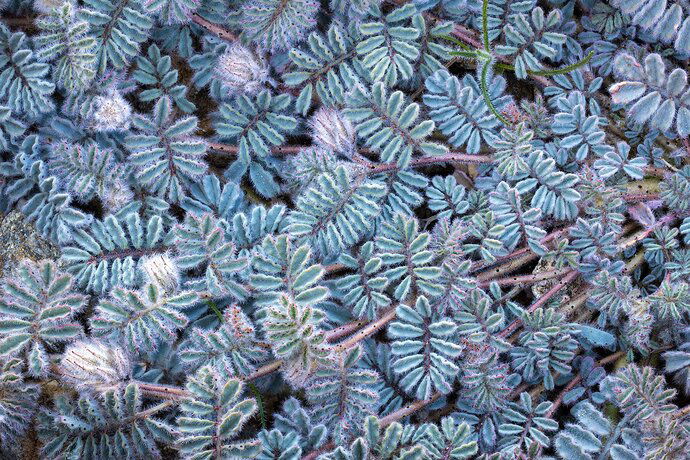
x=566 y=69
x=638 y=237
x=485 y=92
x=259 y=401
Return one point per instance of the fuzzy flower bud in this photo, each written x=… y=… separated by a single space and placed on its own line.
x=96 y=366
x=162 y=271
x=117 y=198
x=241 y=71
x=111 y=113
x=333 y=131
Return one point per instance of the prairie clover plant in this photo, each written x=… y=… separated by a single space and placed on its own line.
x=301 y=229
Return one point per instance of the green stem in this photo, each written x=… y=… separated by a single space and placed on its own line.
x=487 y=98
x=566 y=69
x=485 y=25
x=212 y=305
x=260 y=403
x=465 y=54
x=503 y=66
x=551 y=72
x=457 y=42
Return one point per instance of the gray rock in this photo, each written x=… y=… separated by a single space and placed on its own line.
x=20 y=240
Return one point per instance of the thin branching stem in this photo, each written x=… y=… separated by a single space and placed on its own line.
x=570 y=276
x=215 y=29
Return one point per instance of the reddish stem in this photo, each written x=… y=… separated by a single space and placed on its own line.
x=526 y=279
x=479 y=265
x=452 y=157
x=275 y=150
x=367 y=331
x=574 y=382
x=638 y=237
x=408 y=409
x=264 y=370
x=540 y=302
x=374 y=168
x=215 y=29
x=385 y=421
x=323 y=449
x=334 y=268
x=640 y=197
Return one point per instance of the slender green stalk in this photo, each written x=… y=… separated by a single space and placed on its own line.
x=487 y=98
x=212 y=305
x=257 y=395
x=550 y=72
x=462 y=45
x=485 y=26
x=562 y=70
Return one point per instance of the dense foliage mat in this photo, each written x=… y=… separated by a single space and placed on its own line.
x=347 y=229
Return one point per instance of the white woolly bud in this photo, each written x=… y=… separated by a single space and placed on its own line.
x=162 y=271
x=111 y=113
x=333 y=131
x=95 y=366
x=117 y=198
x=241 y=71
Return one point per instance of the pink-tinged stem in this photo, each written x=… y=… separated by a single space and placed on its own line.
x=656 y=172
x=507 y=267
x=540 y=302
x=332 y=336
x=155 y=390
x=682 y=412
x=466 y=36
x=453 y=157
x=265 y=370
x=481 y=264
x=638 y=237
x=233 y=150
x=574 y=382
x=323 y=449
x=344 y=330
x=526 y=279
x=640 y=197
x=334 y=268
x=367 y=331
x=374 y=168
x=215 y=29
x=409 y=409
